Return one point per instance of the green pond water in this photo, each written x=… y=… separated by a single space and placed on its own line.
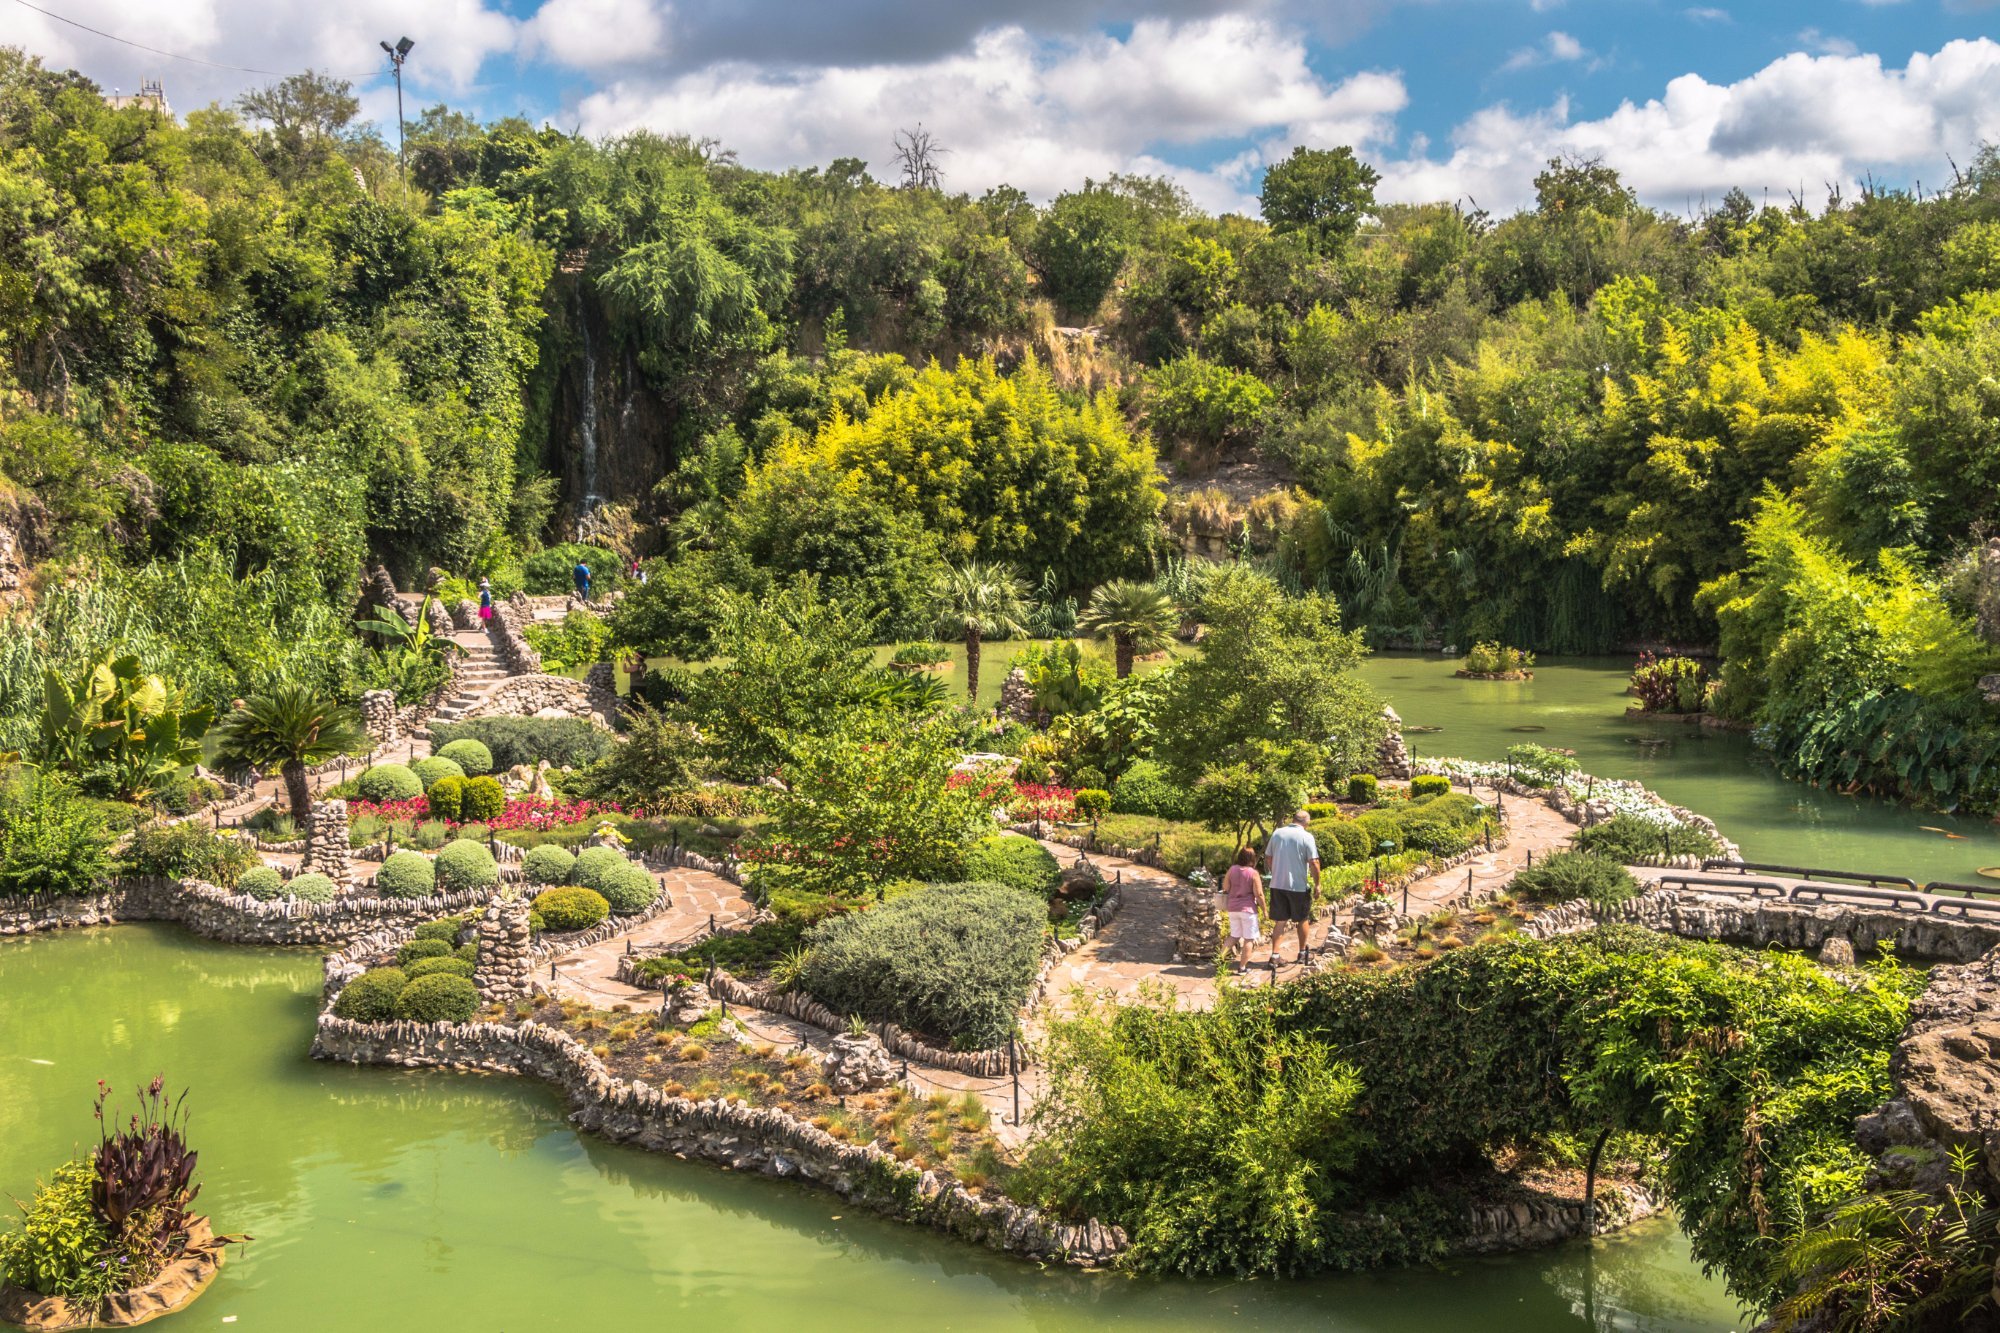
x=1580 y=703
x=389 y=1200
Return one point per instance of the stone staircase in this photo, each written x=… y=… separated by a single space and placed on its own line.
x=480 y=670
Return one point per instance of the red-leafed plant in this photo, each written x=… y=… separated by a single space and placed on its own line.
x=145 y=1175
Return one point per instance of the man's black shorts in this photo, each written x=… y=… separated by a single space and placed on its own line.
x=1287 y=905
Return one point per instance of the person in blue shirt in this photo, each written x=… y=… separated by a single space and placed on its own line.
x=582 y=575
x=1292 y=857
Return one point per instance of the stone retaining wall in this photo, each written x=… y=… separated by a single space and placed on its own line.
x=532 y=695
x=744 y=1138
x=231 y=918
x=1765 y=923
x=1499 y=1228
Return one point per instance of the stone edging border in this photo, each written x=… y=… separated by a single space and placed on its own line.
x=991 y=1063
x=1577 y=812
x=217 y=914
x=1767 y=923
x=740 y=1137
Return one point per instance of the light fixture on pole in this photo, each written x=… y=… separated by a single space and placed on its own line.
x=397 y=55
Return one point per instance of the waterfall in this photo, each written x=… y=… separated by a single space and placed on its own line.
x=588 y=505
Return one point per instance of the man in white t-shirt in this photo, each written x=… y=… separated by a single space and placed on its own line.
x=1292 y=856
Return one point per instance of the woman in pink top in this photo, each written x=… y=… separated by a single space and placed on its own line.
x=1243 y=899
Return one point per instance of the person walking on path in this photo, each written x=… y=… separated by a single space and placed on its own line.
x=485 y=600
x=1293 y=857
x=582 y=576
x=1243 y=899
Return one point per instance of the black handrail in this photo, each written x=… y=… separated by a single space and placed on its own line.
x=1939 y=886
x=1894 y=897
x=1759 y=888
x=1800 y=872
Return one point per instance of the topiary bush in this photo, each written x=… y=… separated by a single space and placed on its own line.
x=483 y=801
x=1092 y=803
x=1436 y=835
x=1341 y=841
x=1362 y=788
x=1429 y=784
x=445 y=966
x=1019 y=863
x=412 y=950
x=438 y=998
x=549 y=864
x=447 y=798
x=466 y=865
x=445 y=929
x=571 y=908
x=263 y=883
x=1379 y=826
x=406 y=875
x=474 y=760
x=1562 y=876
x=371 y=997
x=1145 y=789
x=311 y=888
x=430 y=770
x=388 y=782
x=629 y=889
x=564 y=742
x=595 y=864
x=954 y=961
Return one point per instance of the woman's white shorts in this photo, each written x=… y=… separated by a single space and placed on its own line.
x=1243 y=925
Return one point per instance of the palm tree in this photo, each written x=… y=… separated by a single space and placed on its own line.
x=976 y=601
x=1136 y=617
x=288 y=728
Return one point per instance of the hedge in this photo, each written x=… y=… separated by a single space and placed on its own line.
x=562 y=742
x=311 y=888
x=431 y=770
x=548 y=864
x=263 y=883
x=444 y=966
x=628 y=889
x=1145 y=789
x=483 y=801
x=447 y=797
x=371 y=997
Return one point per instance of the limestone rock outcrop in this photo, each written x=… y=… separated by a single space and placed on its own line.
x=858 y=1064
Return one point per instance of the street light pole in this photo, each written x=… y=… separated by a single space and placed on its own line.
x=397 y=55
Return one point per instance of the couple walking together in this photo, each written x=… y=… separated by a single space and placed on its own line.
x=1292 y=854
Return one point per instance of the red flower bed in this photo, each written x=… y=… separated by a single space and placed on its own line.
x=528 y=813
x=1049 y=803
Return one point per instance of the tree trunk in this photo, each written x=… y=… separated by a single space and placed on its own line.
x=297 y=790
x=1122 y=649
x=972 y=666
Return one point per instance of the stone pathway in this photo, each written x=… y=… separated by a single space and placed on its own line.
x=1532 y=826
x=590 y=974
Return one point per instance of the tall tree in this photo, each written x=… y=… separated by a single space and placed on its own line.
x=974 y=602
x=1136 y=617
x=1321 y=193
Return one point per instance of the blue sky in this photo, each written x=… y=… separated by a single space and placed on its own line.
x=1450 y=98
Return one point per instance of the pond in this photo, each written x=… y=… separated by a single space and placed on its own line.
x=1579 y=704
x=394 y=1200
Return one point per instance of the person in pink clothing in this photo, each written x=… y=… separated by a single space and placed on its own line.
x=1243 y=899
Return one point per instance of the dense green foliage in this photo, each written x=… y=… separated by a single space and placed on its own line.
x=563 y=742
x=1019 y=863
x=953 y=961
x=311 y=887
x=465 y=865
x=389 y=782
x=547 y=865
x=371 y=997
x=438 y=997
x=263 y=883
x=189 y=850
x=1748 y=1068
x=473 y=759
x=406 y=875
x=1635 y=840
x=1560 y=877
x=58 y=1247
x=52 y=840
x=573 y=908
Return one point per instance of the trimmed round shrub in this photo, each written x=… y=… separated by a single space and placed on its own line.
x=469 y=951
x=415 y=949
x=1429 y=784
x=1146 y=790
x=434 y=769
x=1019 y=863
x=1093 y=803
x=389 y=782
x=1341 y=841
x=1380 y=827
x=440 y=967
x=406 y=875
x=371 y=997
x=1436 y=835
x=1562 y=876
x=571 y=908
x=1363 y=789
x=596 y=864
x=473 y=758
x=438 y=998
x=464 y=865
x=537 y=923
x=447 y=797
x=548 y=864
x=629 y=889
x=312 y=888
x=484 y=800
x=445 y=929
x=262 y=882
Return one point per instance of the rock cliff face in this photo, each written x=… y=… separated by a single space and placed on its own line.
x=1946 y=1072
x=609 y=433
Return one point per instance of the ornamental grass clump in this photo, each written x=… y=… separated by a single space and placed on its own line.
x=954 y=961
x=1562 y=877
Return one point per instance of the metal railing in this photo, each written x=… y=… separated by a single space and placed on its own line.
x=1800 y=872
x=1911 y=899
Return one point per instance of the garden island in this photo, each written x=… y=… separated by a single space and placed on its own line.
x=614 y=718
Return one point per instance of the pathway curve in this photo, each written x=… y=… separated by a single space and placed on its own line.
x=1533 y=827
x=699 y=898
